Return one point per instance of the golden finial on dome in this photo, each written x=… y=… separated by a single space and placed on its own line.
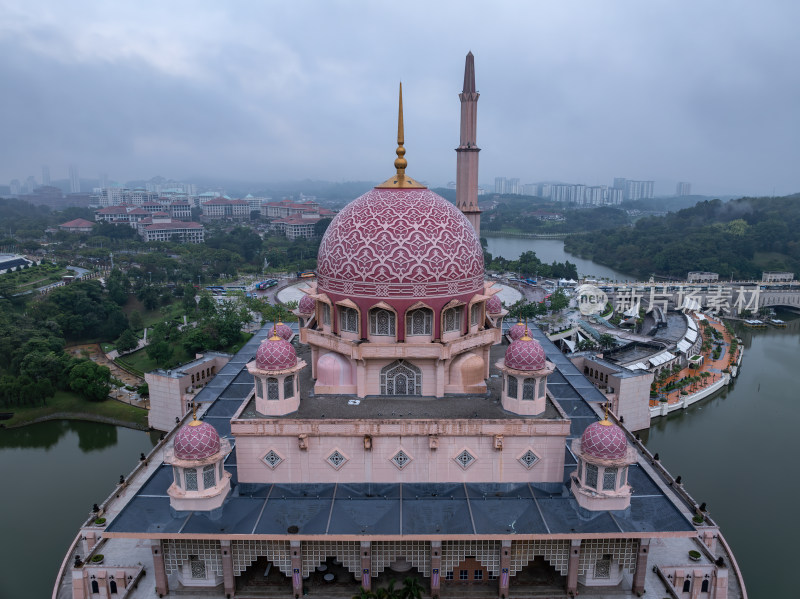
x=195 y=421
x=527 y=335
x=274 y=336
x=605 y=421
x=400 y=180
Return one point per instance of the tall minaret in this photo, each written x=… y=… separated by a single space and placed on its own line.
x=467 y=151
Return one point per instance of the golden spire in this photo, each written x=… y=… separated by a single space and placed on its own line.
x=605 y=421
x=274 y=336
x=400 y=180
x=195 y=421
x=527 y=335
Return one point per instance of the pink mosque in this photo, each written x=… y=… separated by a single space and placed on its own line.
x=405 y=435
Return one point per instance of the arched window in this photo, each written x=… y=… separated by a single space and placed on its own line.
x=610 y=479
x=529 y=389
x=401 y=378
x=419 y=322
x=591 y=372
x=272 y=388
x=176 y=474
x=381 y=322
x=704 y=586
x=288 y=386
x=591 y=476
x=112 y=586
x=580 y=469
x=221 y=470
x=453 y=319
x=542 y=382
x=209 y=480
x=687 y=586
x=326 y=314
x=191 y=479
x=512 y=387
x=95 y=587
x=475 y=314
x=348 y=319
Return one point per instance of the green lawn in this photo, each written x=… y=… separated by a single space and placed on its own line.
x=66 y=402
x=36 y=276
x=140 y=361
x=151 y=317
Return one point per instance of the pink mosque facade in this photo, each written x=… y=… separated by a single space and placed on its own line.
x=416 y=441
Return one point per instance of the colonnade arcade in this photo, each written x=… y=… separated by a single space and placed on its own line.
x=493 y=565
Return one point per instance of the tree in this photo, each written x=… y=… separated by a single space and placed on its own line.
x=321 y=226
x=160 y=352
x=607 y=341
x=135 y=320
x=118 y=286
x=412 y=588
x=127 y=341
x=90 y=380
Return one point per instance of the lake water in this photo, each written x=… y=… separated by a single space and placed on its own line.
x=729 y=449
x=52 y=474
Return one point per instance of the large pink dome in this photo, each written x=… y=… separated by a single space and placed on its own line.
x=605 y=440
x=400 y=244
x=307 y=305
x=517 y=331
x=275 y=354
x=196 y=441
x=494 y=305
x=525 y=354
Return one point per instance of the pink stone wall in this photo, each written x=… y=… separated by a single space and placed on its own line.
x=387 y=438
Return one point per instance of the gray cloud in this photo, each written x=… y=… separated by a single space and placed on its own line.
x=578 y=91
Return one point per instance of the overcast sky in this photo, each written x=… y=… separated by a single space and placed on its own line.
x=579 y=91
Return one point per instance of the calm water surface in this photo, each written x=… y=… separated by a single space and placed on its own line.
x=51 y=475
x=731 y=451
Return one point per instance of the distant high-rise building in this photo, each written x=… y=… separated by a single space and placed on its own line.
x=45 y=175
x=683 y=189
x=635 y=190
x=500 y=185
x=30 y=184
x=74 y=180
x=14 y=187
x=530 y=189
x=619 y=183
x=103 y=179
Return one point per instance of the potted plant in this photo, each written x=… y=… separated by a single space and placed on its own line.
x=694 y=555
x=698 y=519
x=99 y=521
x=98 y=559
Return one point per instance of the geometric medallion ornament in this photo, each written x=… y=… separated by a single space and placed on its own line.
x=336 y=459
x=464 y=459
x=272 y=459
x=528 y=459
x=401 y=459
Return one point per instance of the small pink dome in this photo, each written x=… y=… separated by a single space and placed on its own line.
x=283 y=331
x=306 y=305
x=525 y=354
x=494 y=305
x=275 y=354
x=196 y=441
x=517 y=331
x=605 y=440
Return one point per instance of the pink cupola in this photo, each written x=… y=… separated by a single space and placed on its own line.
x=275 y=370
x=494 y=305
x=516 y=331
x=525 y=370
x=200 y=482
x=601 y=479
x=307 y=305
x=283 y=331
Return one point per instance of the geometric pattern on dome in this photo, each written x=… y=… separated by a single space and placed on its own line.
x=196 y=442
x=306 y=305
x=464 y=459
x=272 y=459
x=283 y=331
x=275 y=354
x=528 y=459
x=392 y=243
x=401 y=459
x=516 y=331
x=605 y=441
x=494 y=305
x=525 y=354
x=337 y=459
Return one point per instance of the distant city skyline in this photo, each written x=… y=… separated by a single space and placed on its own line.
x=252 y=92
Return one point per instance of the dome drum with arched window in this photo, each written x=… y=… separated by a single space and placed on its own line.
x=525 y=370
x=200 y=482
x=600 y=481
x=276 y=372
